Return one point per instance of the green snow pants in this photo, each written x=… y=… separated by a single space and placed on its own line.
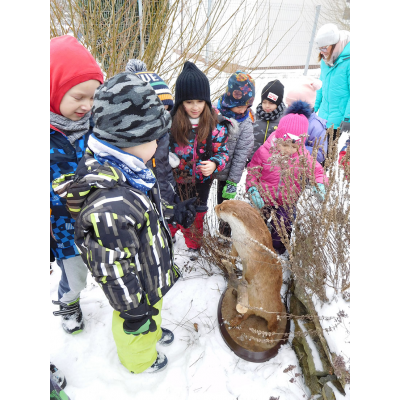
x=136 y=352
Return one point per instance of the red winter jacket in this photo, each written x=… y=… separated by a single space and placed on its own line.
x=271 y=177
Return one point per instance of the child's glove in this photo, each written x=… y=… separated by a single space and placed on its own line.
x=345 y=126
x=229 y=190
x=185 y=212
x=320 y=192
x=141 y=322
x=255 y=196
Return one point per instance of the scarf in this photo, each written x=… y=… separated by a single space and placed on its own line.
x=272 y=116
x=132 y=167
x=141 y=179
x=344 y=38
x=228 y=113
x=72 y=129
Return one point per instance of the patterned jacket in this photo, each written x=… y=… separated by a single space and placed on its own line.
x=187 y=155
x=64 y=159
x=122 y=234
x=240 y=143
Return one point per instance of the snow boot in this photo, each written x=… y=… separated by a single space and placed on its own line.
x=167 y=337
x=193 y=254
x=158 y=365
x=72 y=318
x=58 y=376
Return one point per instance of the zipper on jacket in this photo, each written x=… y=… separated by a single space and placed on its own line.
x=265 y=137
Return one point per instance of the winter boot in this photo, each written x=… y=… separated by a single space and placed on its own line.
x=167 y=337
x=158 y=365
x=58 y=376
x=72 y=318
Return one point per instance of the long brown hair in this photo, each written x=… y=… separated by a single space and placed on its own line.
x=181 y=125
x=320 y=55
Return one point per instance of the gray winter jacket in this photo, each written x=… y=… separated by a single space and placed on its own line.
x=262 y=130
x=240 y=144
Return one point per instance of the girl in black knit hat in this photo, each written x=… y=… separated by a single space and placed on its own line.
x=199 y=142
x=268 y=113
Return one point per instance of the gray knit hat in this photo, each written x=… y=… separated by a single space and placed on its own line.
x=127 y=112
x=327 y=35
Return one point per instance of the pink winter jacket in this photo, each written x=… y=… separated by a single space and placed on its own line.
x=271 y=178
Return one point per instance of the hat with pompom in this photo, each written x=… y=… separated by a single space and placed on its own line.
x=294 y=123
x=305 y=91
x=162 y=90
x=127 y=112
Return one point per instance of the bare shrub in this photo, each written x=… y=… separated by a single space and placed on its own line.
x=319 y=246
x=168 y=33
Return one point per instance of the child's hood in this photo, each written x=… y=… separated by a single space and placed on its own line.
x=70 y=65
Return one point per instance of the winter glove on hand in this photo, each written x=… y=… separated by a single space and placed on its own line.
x=229 y=190
x=255 y=196
x=141 y=322
x=185 y=212
x=344 y=126
x=320 y=192
x=201 y=209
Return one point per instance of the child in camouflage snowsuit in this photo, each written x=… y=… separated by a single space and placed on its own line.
x=120 y=229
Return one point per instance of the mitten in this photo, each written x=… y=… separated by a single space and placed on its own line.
x=185 y=212
x=139 y=320
x=320 y=192
x=345 y=126
x=255 y=196
x=229 y=190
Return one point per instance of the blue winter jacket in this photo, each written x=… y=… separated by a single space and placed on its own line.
x=64 y=158
x=333 y=99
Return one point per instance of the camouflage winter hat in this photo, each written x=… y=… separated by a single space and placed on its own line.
x=127 y=112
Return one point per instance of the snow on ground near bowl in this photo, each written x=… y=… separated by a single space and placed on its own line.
x=200 y=364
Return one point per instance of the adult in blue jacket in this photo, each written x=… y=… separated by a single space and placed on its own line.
x=333 y=99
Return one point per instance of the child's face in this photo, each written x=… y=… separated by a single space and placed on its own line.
x=288 y=147
x=239 y=110
x=194 y=108
x=268 y=107
x=144 y=151
x=78 y=100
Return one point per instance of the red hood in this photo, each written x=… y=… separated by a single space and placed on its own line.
x=70 y=64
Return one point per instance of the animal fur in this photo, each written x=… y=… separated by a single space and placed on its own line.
x=262 y=273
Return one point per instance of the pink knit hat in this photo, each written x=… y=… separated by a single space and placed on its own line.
x=305 y=91
x=294 y=123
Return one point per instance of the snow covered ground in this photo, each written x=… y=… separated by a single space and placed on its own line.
x=200 y=363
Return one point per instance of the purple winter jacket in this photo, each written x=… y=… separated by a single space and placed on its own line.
x=316 y=131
